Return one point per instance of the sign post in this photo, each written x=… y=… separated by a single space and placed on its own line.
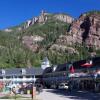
x=34 y=89
x=33 y=93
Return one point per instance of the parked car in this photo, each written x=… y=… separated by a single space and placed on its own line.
x=63 y=86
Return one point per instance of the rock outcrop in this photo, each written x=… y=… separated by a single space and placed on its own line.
x=41 y=19
x=31 y=42
x=64 y=18
x=63 y=48
x=8 y=30
x=44 y=17
x=86 y=30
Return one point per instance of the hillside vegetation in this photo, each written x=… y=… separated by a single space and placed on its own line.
x=15 y=53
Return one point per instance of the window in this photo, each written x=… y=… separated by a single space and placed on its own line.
x=20 y=77
x=8 y=77
x=1 y=77
x=28 y=76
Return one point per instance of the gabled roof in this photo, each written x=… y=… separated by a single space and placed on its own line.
x=45 y=59
x=18 y=71
x=77 y=64
x=96 y=61
x=48 y=70
x=61 y=67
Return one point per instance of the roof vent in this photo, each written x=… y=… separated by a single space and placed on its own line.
x=23 y=71
x=3 y=72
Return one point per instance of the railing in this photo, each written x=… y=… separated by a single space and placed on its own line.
x=18 y=79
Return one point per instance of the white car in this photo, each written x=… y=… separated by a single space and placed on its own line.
x=63 y=86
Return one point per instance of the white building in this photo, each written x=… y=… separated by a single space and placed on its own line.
x=20 y=75
x=45 y=63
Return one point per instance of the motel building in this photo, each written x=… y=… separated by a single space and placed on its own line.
x=16 y=76
x=20 y=76
x=86 y=75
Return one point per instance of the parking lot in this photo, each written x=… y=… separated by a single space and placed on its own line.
x=52 y=94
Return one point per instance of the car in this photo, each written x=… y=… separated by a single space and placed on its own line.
x=63 y=86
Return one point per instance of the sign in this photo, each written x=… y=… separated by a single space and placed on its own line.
x=78 y=74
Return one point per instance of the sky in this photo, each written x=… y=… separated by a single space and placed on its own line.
x=14 y=12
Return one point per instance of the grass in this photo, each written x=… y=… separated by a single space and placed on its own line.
x=17 y=97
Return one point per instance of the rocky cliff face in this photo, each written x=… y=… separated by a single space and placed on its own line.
x=44 y=17
x=86 y=30
x=31 y=42
x=64 y=18
x=41 y=19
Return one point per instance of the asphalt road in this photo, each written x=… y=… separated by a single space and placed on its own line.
x=51 y=94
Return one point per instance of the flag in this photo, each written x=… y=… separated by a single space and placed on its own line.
x=87 y=64
x=72 y=70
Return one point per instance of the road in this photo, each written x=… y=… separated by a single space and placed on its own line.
x=51 y=94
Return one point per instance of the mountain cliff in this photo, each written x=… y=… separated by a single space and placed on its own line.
x=84 y=31
x=44 y=17
x=87 y=29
